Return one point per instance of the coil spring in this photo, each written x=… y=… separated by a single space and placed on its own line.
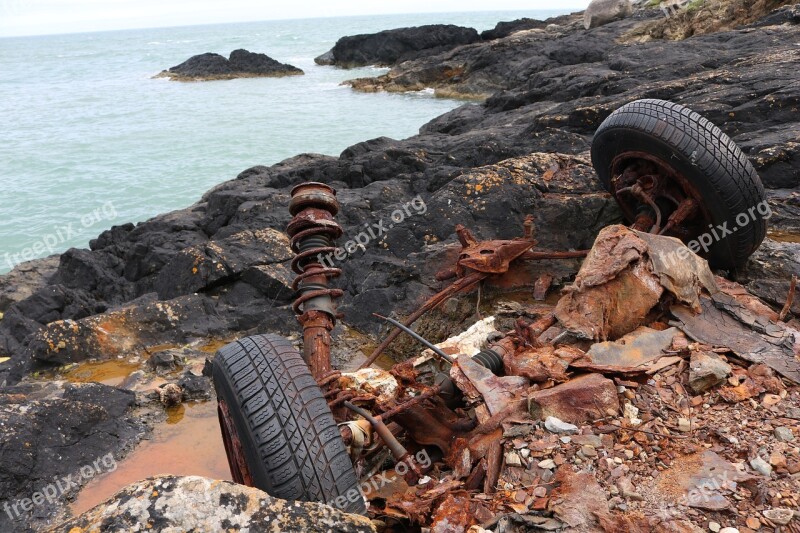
x=309 y=244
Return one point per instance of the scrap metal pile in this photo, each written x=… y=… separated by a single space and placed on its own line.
x=653 y=396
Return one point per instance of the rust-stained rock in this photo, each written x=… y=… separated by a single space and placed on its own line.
x=453 y=515
x=125 y=331
x=699 y=480
x=578 y=500
x=583 y=399
x=468 y=342
x=707 y=371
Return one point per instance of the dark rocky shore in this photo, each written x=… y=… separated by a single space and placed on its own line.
x=218 y=269
x=240 y=64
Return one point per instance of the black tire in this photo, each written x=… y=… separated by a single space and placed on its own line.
x=704 y=155
x=289 y=438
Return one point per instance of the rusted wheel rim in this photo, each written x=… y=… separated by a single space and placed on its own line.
x=666 y=185
x=237 y=461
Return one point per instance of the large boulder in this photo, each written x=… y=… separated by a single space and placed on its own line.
x=393 y=46
x=172 y=503
x=601 y=12
x=240 y=64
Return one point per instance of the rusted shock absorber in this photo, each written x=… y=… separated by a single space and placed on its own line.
x=313 y=231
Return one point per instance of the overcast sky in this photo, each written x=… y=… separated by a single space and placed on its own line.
x=35 y=17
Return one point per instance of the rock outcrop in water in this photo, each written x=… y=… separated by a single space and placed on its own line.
x=219 y=269
x=395 y=46
x=240 y=64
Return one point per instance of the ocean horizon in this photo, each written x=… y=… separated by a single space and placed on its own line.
x=92 y=140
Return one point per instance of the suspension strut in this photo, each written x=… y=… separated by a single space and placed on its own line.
x=313 y=232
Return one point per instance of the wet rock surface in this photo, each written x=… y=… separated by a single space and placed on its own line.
x=240 y=64
x=56 y=437
x=397 y=45
x=170 y=503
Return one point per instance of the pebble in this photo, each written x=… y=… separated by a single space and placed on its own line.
x=753 y=522
x=547 y=464
x=715 y=527
x=770 y=400
x=512 y=459
x=728 y=530
x=784 y=434
x=556 y=425
x=565 y=440
x=631 y=412
x=591 y=440
x=684 y=425
x=761 y=466
x=779 y=516
x=588 y=451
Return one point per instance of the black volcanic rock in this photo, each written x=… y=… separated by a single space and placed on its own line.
x=52 y=430
x=217 y=273
x=394 y=46
x=252 y=63
x=504 y=29
x=241 y=64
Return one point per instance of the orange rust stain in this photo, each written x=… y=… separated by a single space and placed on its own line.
x=192 y=447
x=111 y=372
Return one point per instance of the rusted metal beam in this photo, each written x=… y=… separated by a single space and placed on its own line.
x=789 y=299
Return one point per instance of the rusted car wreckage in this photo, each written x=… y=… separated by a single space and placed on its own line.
x=443 y=423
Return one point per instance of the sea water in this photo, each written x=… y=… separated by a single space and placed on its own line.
x=88 y=139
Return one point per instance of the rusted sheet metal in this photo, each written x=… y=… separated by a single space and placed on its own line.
x=477 y=261
x=499 y=393
x=432 y=423
x=632 y=354
x=614 y=290
x=776 y=347
x=540 y=364
x=579 y=501
x=491 y=257
x=789 y=299
x=681 y=272
x=433 y=302
x=542 y=286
